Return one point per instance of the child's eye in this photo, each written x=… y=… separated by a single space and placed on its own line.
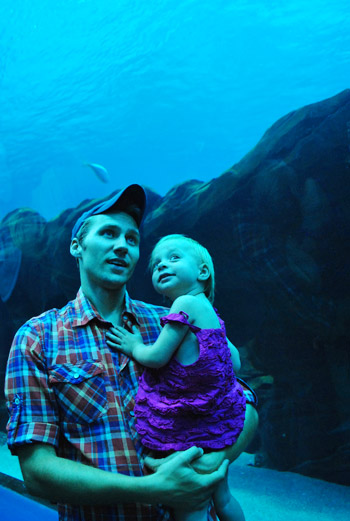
x=174 y=256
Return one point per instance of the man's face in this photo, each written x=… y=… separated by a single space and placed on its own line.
x=109 y=252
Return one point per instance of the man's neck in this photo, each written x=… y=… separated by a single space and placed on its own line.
x=109 y=303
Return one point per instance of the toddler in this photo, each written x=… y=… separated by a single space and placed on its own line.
x=188 y=393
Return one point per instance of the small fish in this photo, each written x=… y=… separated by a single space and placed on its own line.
x=100 y=171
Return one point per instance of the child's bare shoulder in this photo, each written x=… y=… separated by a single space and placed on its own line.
x=188 y=304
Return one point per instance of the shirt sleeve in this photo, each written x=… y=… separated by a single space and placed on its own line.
x=30 y=400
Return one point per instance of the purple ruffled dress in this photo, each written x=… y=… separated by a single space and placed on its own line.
x=202 y=404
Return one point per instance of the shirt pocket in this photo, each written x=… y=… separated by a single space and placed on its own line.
x=80 y=390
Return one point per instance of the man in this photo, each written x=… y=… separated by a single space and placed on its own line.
x=71 y=398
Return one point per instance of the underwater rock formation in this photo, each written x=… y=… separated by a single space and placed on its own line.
x=278 y=225
x=10 y=262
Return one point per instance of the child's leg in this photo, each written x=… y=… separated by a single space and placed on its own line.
x=226 y=506
x=194 y=515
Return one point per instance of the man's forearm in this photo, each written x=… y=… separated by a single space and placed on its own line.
x=65 y=481
x=61 y=480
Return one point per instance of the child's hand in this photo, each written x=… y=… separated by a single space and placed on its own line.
x=120 y=339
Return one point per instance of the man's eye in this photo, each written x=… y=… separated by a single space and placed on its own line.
x=132 y=240
x=108 y=233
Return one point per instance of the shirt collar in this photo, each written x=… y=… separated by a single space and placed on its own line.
x=85 y=312
x=129 y=304
x=130 y=312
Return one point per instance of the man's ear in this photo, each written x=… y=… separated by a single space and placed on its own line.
x=203 y=272
x=75 y=248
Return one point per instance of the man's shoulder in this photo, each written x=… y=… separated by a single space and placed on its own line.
x=46 y=318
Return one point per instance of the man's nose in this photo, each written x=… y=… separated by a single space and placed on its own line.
x=120 y=244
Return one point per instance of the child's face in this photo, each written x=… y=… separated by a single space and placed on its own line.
x=176 y=269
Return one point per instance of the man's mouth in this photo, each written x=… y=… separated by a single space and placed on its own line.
x=121 y=263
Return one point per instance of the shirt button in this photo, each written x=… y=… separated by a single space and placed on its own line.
x=17 y=401
x=75 y=375
x=132 y=413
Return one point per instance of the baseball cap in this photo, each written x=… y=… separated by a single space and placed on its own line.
x=132 y=194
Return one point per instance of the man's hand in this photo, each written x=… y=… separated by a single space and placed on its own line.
x=154 y=463
x=205 y=464
x=124 y=341
x=209 y=462
x=177 y=484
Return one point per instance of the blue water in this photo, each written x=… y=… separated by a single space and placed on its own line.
x=157 y=91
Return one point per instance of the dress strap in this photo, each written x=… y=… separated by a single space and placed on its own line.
x=180 y=318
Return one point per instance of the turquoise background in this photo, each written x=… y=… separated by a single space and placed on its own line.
x=157 y=91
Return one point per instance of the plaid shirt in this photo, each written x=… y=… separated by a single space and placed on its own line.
x=67 y=388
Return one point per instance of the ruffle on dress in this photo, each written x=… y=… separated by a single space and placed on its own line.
x=202 y=404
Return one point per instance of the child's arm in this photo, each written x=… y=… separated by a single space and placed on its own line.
x=236 y=361
x=155 y=355
x=162 y=350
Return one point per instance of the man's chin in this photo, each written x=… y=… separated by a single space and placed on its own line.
x=117 y=282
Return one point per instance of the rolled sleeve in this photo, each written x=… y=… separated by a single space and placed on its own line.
x=30 y=400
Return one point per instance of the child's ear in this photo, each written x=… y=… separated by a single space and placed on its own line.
x=203 y=272
x=75 y=248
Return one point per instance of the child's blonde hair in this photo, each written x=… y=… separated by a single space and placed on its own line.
x=203 y=255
